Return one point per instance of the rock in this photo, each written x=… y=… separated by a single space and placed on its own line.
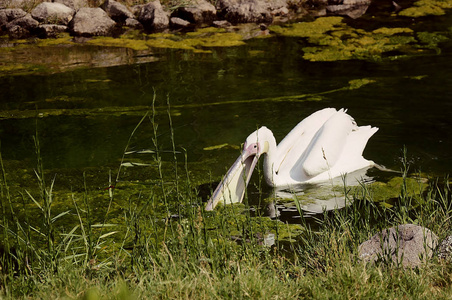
x=353 y=12
x=445 y=249
x=278 y=7
x=133 y=23
x=408 y=245
x=179 y=23
x=222 y=24
x=281 y=11
x=91 y=22
x=117 y=11
x=26 y=22
x=53 y=13
x=17 y=32
x=198 y=12
x=351 y=8
x=74 y=4
x=245 y=11
x=12 y=13
x=50 y=30
x=3 y=19
x=152 y=16
x=22 y=27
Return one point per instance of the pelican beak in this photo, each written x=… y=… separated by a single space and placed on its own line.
x=232 y=188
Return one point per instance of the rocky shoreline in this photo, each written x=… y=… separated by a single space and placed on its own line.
x=49 y=19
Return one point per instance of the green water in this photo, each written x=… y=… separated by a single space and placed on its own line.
x=84 y=116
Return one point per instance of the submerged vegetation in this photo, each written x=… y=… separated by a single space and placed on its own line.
x=108 y=235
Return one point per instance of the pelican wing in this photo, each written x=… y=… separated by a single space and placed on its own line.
x=352 y=155
x=294 y=145
x=327 y=145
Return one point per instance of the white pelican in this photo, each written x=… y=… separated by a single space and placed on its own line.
x=325 y=145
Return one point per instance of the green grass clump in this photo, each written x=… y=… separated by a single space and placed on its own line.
x=130 y=240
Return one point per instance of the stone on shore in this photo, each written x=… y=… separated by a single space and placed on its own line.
x=221 y=24
x=74 y=4
x=53 y=13
x=117 y=11
x=199 y=12
x=152 y=16
x=17 y=32
x=21 y=27
x=245 y=11
x=133 y=23
x=50 y=30
x=351 y=8
x=10 y=14
x=178 y=23
x=91 y=22
x=408 y=245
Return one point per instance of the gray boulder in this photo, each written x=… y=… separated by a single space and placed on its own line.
x=408 y=245
x=245 y=11
x=133 y=23
x=21 y=27
x=117 y=11
x=152 y=16
x=17 y=32
x=221 y=24
x=198 y=12
x=351 y=8
x=26 y=22
x=50 y=30
x=74 y=4
x=10 y=14
x=3 y=20
x=179 y=23
x=53 y=13
x=91 y=22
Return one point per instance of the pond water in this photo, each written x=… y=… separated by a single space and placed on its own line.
x=86 y=115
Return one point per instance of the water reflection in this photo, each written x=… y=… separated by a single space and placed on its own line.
x=313 y=199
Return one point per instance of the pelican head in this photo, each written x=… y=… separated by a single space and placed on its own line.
x=232 y=188
x=257 y=143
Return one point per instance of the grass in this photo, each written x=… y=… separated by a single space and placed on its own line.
x=158 y=242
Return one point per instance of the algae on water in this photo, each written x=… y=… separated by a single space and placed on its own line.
x=195 y=41
x=331 y=39
x=423 y=8
x=381 y=192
